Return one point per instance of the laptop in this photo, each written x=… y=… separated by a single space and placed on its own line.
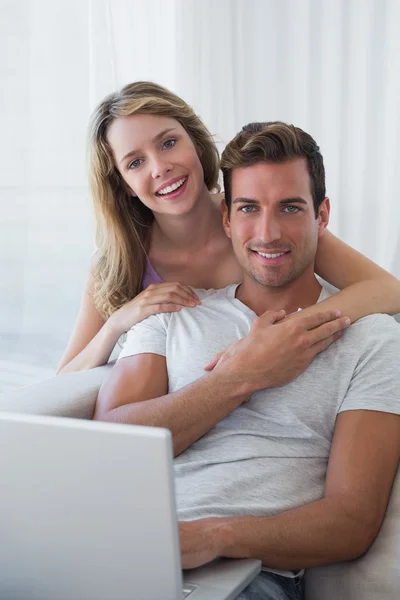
x=87 y=512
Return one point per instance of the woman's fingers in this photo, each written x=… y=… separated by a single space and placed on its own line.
x=168 y=298
x=174 y=285
x=154 y=309
x=164 y=293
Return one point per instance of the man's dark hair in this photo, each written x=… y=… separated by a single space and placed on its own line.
x=273 y=142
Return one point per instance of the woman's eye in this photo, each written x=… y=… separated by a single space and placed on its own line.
x=246 y=209
x=135 y=163
x=292 y=209
x=169 y=144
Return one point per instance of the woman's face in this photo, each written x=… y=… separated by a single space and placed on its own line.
x=158 y=161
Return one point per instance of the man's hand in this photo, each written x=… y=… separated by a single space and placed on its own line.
x=270 y=317
x=202 y=540
x=276 y=351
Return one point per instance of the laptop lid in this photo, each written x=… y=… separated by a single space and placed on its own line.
x=87 y=511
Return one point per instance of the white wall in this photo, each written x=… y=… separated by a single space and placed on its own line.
x=330 y=67
x=46 y=229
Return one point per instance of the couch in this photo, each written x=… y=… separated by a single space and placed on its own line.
x=375 y=576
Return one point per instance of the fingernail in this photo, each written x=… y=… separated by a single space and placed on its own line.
x=338 y=313
x=347 y=321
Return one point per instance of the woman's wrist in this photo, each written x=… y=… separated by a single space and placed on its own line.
x=112 y=331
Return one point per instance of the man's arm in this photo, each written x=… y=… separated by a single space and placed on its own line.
x=137 y=392
x=364 y=457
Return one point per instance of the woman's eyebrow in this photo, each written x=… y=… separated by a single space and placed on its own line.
x=155 y=139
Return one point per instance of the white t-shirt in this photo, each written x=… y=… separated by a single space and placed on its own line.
x=271 y=453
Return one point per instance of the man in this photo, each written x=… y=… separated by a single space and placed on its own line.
x=297 y=475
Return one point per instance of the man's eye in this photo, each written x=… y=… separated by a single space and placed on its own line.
x=292 y=209
x=246 y=209
x=169 y=144
x=135 y=163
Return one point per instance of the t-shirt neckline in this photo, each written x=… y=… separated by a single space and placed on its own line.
x=231 y=295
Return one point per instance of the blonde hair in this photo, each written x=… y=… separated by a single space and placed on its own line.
x=123 y=222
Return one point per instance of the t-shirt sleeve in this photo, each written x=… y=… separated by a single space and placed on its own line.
x=375 y=384
x=149 y=336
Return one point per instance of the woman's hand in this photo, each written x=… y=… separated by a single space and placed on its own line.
x=157 y=298
x=276 y=351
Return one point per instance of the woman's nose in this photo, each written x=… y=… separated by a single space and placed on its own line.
x=160 y=167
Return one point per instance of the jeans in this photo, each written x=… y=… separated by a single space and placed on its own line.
x=269 y=586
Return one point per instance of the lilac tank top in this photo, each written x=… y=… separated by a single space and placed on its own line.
x=150 y=275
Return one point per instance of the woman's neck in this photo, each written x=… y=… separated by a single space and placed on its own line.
x=190 y=232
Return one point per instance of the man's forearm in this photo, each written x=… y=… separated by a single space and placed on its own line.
x=319 y=533
x=189 y=413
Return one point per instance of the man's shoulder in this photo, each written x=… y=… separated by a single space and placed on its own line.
x=207 y=298
x=377 y=325
x=373 y=335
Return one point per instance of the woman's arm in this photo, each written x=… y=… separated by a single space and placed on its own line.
x=92 y=340
x=341 y=265
x=366 y=288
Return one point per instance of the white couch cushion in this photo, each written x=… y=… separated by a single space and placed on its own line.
x=66 y=395
x=374 y=576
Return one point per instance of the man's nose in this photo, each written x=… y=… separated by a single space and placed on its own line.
x=269 y=229
x=160 y=167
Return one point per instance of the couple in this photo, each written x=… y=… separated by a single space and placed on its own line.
x=153 y=174
x=286 y=429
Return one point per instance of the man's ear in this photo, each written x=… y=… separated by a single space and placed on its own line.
x=323 y=216
x=225 y=218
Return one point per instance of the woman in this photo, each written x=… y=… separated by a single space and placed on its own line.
x=153 y=170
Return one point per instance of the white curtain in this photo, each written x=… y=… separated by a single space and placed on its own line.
x=332 y=68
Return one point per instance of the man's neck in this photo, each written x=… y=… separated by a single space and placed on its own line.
x=300 y=293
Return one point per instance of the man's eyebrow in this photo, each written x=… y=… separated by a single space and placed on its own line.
x=283 y=202
x=155 y=139
x=241 y=200
x=295 y=200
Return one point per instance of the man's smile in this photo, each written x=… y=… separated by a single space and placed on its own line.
x=271 y=258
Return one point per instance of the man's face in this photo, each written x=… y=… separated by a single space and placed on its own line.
x=272 y=221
